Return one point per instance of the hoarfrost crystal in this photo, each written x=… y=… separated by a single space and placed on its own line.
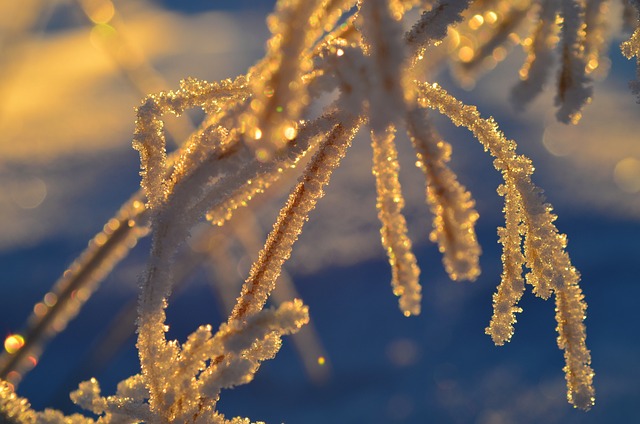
x=260 y=124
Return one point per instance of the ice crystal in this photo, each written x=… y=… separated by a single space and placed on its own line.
x=259 y=124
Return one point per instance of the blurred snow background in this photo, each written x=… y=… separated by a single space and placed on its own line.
x=66 y=119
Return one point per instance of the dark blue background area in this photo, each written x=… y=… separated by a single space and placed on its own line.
x=197 y=6
x=458 y=377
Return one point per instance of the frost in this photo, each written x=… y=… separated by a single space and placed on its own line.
x=261 y=124
x=404 y=268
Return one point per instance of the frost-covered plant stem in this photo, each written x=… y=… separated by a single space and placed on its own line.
x=260 y=123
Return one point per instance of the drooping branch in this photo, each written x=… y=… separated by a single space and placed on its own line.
x=544 y=254
x=393 y=232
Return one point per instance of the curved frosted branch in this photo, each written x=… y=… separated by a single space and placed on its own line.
x=631 y=48
x=570 y=313
x=432 y=26
x=451 y=204
x=149 y=137
x=279 y=94
x=551 y=269
x=511 y=288
x=540 y=56
x=574 y=89
x=208 y=187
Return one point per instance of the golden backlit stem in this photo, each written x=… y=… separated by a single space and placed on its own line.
x=511 y=288
x=346 y=32
x=103 y=253
x=149 y=137
x=279 y=92
x=384 y=48
x=551 y=269
x=265 y=174
x=405 y=274
x=217 y=184
x=237 y=164
x=452 y=206
x=307 y=342
x=219 y=169
x=252 y=341
x=539 y=47
x=432 y=26
x=302 y=200
x=542 y=242
x=574 y=89
x=597 y=25
x=13 y=408
x=570 y=313
x=631 y=48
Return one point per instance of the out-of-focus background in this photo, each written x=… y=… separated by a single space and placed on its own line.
x=68 y=88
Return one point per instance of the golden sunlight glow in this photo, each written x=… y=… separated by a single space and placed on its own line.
x=112 y=225
x=576 y=117
x=321 y=360
x=100 y=33
x=99 y=11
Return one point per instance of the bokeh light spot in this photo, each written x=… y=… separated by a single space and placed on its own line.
x=28 y=193
x=626 y=174
x=556 y=142
x=466 y=54
x=13 y=343
x=403 y=352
